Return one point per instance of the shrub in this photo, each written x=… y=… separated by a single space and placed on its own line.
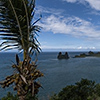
x=10 y=96
x=83 y=90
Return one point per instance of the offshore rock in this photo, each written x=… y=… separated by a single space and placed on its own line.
x=61 y=56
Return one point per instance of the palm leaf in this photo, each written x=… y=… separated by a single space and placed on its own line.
x=16 y=20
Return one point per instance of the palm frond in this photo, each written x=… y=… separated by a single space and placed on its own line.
x=16 y=20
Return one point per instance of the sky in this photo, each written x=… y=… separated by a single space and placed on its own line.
x=70 y=25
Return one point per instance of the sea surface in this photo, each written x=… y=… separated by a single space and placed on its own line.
x=57 y=73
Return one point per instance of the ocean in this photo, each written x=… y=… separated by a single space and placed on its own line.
x=57 y=73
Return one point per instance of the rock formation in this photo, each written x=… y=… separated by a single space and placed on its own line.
x=61 y=56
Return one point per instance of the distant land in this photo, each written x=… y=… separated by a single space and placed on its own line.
x=89 y=54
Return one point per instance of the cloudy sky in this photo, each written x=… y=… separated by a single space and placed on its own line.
x=69 y=24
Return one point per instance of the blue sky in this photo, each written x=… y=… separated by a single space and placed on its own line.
x=69 y=24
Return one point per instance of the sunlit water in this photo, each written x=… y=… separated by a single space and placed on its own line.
x=57 y=73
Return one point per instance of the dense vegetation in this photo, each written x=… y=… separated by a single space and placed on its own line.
x=83 y=90
x=10 y=96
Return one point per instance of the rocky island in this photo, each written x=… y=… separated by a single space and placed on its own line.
x=63 y=56
x=90 y=53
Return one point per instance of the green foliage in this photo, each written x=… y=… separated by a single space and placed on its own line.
x=10 y=96
x=30 y=97
x=83 y=90
x=18 y=29
x=97 y=89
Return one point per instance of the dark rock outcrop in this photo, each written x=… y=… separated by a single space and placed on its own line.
x=81 y=55
x=61 y=56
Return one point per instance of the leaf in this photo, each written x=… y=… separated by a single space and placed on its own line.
x=17 y=59
x=16 y=20
x=23 y=78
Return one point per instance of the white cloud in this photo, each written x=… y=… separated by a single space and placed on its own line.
x=79 y=47
x=68 y=47
x=71 y=26
x=85 y=48
x=47 y=10
x=72 y=1
x=95 y=4
x=95 y=12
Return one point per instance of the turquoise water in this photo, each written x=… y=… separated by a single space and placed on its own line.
x=57 y=73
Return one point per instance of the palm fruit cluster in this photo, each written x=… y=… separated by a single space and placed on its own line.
x=25 y=79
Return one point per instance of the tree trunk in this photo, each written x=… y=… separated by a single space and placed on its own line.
x=25 y=54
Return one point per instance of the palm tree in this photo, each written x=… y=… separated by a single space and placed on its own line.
x=18 y=30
